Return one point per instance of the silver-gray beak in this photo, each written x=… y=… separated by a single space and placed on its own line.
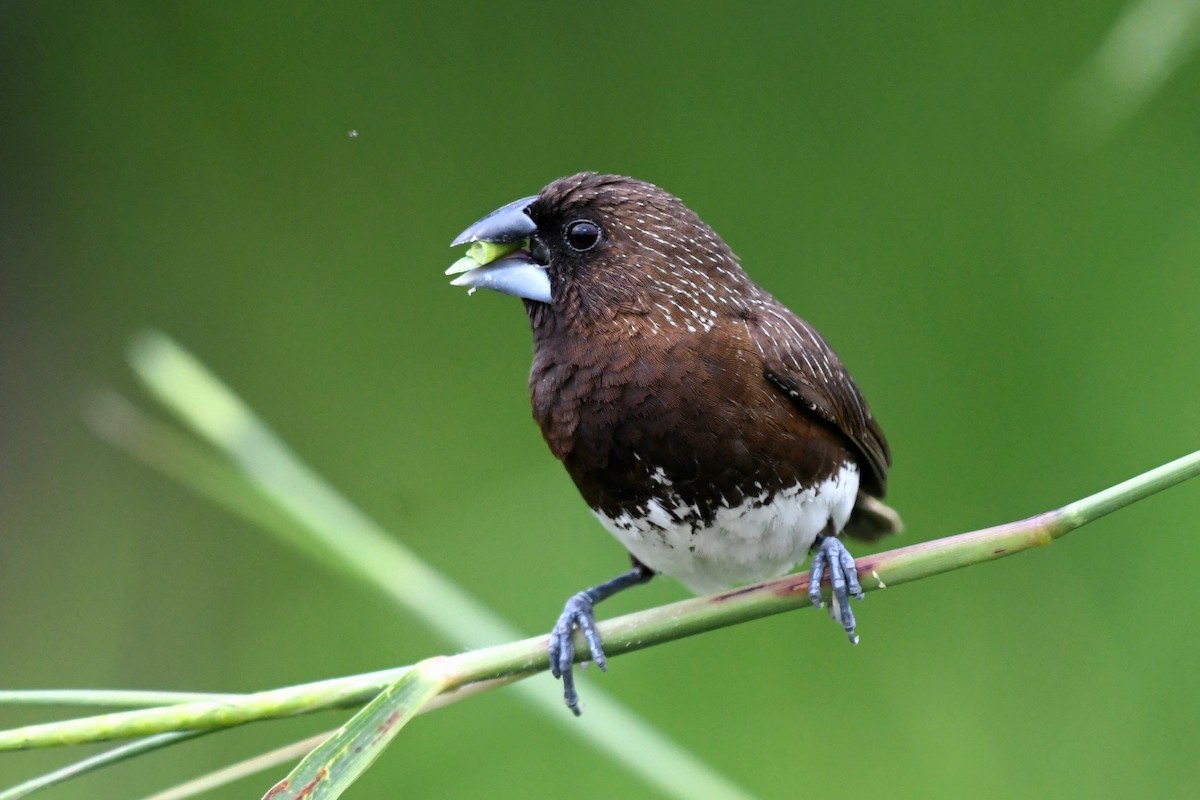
x=515 y=274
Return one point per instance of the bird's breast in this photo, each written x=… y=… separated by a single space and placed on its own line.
x=702 y=467
x=764 y=536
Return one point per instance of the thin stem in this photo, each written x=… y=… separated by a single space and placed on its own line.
x=623 y=634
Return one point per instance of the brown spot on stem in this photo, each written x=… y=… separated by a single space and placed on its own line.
x=721 y=598
x=797 y=586
x=999 y=551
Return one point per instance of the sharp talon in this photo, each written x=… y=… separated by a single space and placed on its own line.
x=570 y=696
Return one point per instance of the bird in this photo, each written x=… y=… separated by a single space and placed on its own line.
x=710 y=430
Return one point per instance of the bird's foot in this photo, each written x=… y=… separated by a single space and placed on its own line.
x=830 y=555
x=578 y=612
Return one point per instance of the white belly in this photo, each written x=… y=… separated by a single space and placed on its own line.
x=751 y=542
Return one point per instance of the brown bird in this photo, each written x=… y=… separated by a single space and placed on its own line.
x=712 y=431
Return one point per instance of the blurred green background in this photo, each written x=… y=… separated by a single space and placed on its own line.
x=991 y=210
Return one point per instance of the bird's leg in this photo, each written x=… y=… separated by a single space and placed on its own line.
x=579 y=612
x=829 y=554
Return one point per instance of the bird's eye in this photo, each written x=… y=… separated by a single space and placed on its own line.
x=583 y=234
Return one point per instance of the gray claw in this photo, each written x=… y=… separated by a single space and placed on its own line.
x=578 y=612
x=830 y=554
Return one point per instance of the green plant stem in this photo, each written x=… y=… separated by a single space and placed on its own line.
x=205 y=714
x=623 y=634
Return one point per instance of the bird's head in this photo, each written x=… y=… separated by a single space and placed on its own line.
x=590 y=246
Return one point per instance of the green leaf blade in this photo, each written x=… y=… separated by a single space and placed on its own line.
x=326 y=772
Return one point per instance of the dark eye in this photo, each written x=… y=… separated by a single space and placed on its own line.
x=582 y=234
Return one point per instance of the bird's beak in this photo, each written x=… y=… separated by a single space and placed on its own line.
x=499 y=257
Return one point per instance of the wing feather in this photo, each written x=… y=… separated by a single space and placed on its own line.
x=804 y=367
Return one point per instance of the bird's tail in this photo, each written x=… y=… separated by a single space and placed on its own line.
x=872 y=519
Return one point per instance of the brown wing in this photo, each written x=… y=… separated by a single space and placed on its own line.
x=798 y=361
